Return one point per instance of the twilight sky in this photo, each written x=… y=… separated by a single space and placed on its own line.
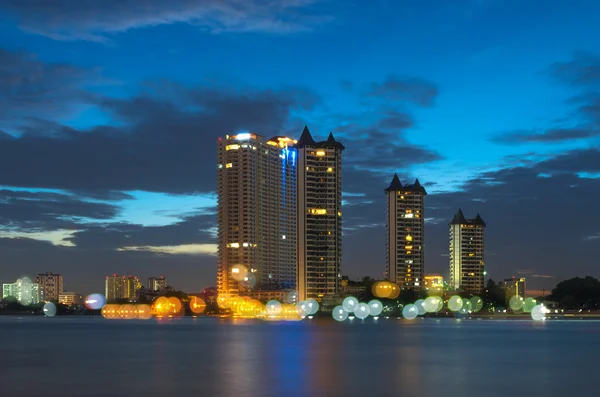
x=109 y=112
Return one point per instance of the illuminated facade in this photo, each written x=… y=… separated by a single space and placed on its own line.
x=319 y=217
x=69 y=298
x=406 y=234
x=23 y=290
x=157 y=283
x=467 y=269
x=51 y=285
x=121 y=287
x=434 y=283
x=256 y=189
x=515 y=287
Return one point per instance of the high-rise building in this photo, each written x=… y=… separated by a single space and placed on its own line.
x=467 y=268
x=319 y=217
x=434 y=283
x=157 y=283
x=23 y=290
x=256 y=213
x=406 y=234
x=51 y=285
x=121 y=287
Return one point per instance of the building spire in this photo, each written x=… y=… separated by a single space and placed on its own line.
x=459 y=218
x=306 y=138
x=395 y=185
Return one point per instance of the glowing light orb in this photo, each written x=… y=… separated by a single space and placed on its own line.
x=538 y=313
x=273 y=308
x=144 y=312
x=291 y=297
x=476 y=304
x=410 y=312
x=238 y=272
x=302 y=308
x=128 y=312
x=375 y=307
x=223 y=301
x=395 y=291
x=455 y=303
x=431 y=304
x=50 y=309
x=197 y=305
x=349 y=304
x=516 y=303
x=362 y=311
x=420 y=304
x=313 y=306
x=249 y=281
x=109 y=311
x=95 y=301
x=467 y=306
x=529 y=304
x=339 y=314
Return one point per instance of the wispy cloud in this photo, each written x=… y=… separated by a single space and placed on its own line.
x=59 y=238
x=542 y=276
x=96 y=20
x=185 y=249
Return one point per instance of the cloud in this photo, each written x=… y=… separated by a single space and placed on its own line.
x=33 y=90
x=165 y=142
x=541 y=276
x=97 y=20
x=55 y=237
x=404 y=89
x=552 y=135
x=187 y=249
x=583 y=69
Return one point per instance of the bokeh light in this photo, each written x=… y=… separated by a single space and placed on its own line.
x=529 y=304
x=144 y=312
x=197 y=305
x=302 y=308
x=291 y=297
x=476 y=304
x=239 y=272
x=349 y=304
x=431 y=304
x=95 y=301
x=410 y=312
x=516 y=303
x=50 y=309
x=224 y=301
x=313 y=307
x=273 y=308
x=538 y=313
x=161 y=306
x=385 y=290
x=467 y=306
x=249 y=281
x=420 y=304
x=339 y=314
x=174 y=305
x=375 y=307
x=455 y=303
x=110 y=311
x=362 y=311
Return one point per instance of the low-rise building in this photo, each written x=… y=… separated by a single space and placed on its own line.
x=69 y=298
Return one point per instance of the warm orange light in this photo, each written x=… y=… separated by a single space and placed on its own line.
x=197 y=305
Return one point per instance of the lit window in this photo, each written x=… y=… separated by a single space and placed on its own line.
x=339 y=214
x=408 y=237
x=220 y=166
x=229 y=165
x=245 y=244
x=317 y=211
x=235 y=245
x=320 y=153
x=283 y=237
x=408 y=215
x=329 y=169
x=232 y=147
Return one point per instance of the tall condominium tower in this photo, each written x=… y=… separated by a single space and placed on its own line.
x=466 y=253
x=157 y=283
x=256 y=213
x=51 y=286
x=121 y=287
x=406 y=234
x=319 y=216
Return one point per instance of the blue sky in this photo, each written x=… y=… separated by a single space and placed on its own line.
x=124 y=102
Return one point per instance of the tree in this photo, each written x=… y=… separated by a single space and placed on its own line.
x=577 y=293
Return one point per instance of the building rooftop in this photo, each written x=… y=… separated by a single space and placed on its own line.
x=306 y=139
x=396 y=186
x=459 y=219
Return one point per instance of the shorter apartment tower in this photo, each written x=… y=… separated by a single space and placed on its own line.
x=121 y=287
x=51 y=286
x=157 y=283
x=406 y=234
x=466 y=254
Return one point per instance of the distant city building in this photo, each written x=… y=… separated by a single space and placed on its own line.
x=23 y=290
x=157 y=283
x=121 y=287
x=69 y=298
x=350 y=287
x=256 y=212
x=319 y=216
x=467 y=268
x=51 y=285
x=515 y=286
x=434 y=282
x=406 y=234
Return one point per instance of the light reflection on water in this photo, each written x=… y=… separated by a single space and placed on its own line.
x=76 y=356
